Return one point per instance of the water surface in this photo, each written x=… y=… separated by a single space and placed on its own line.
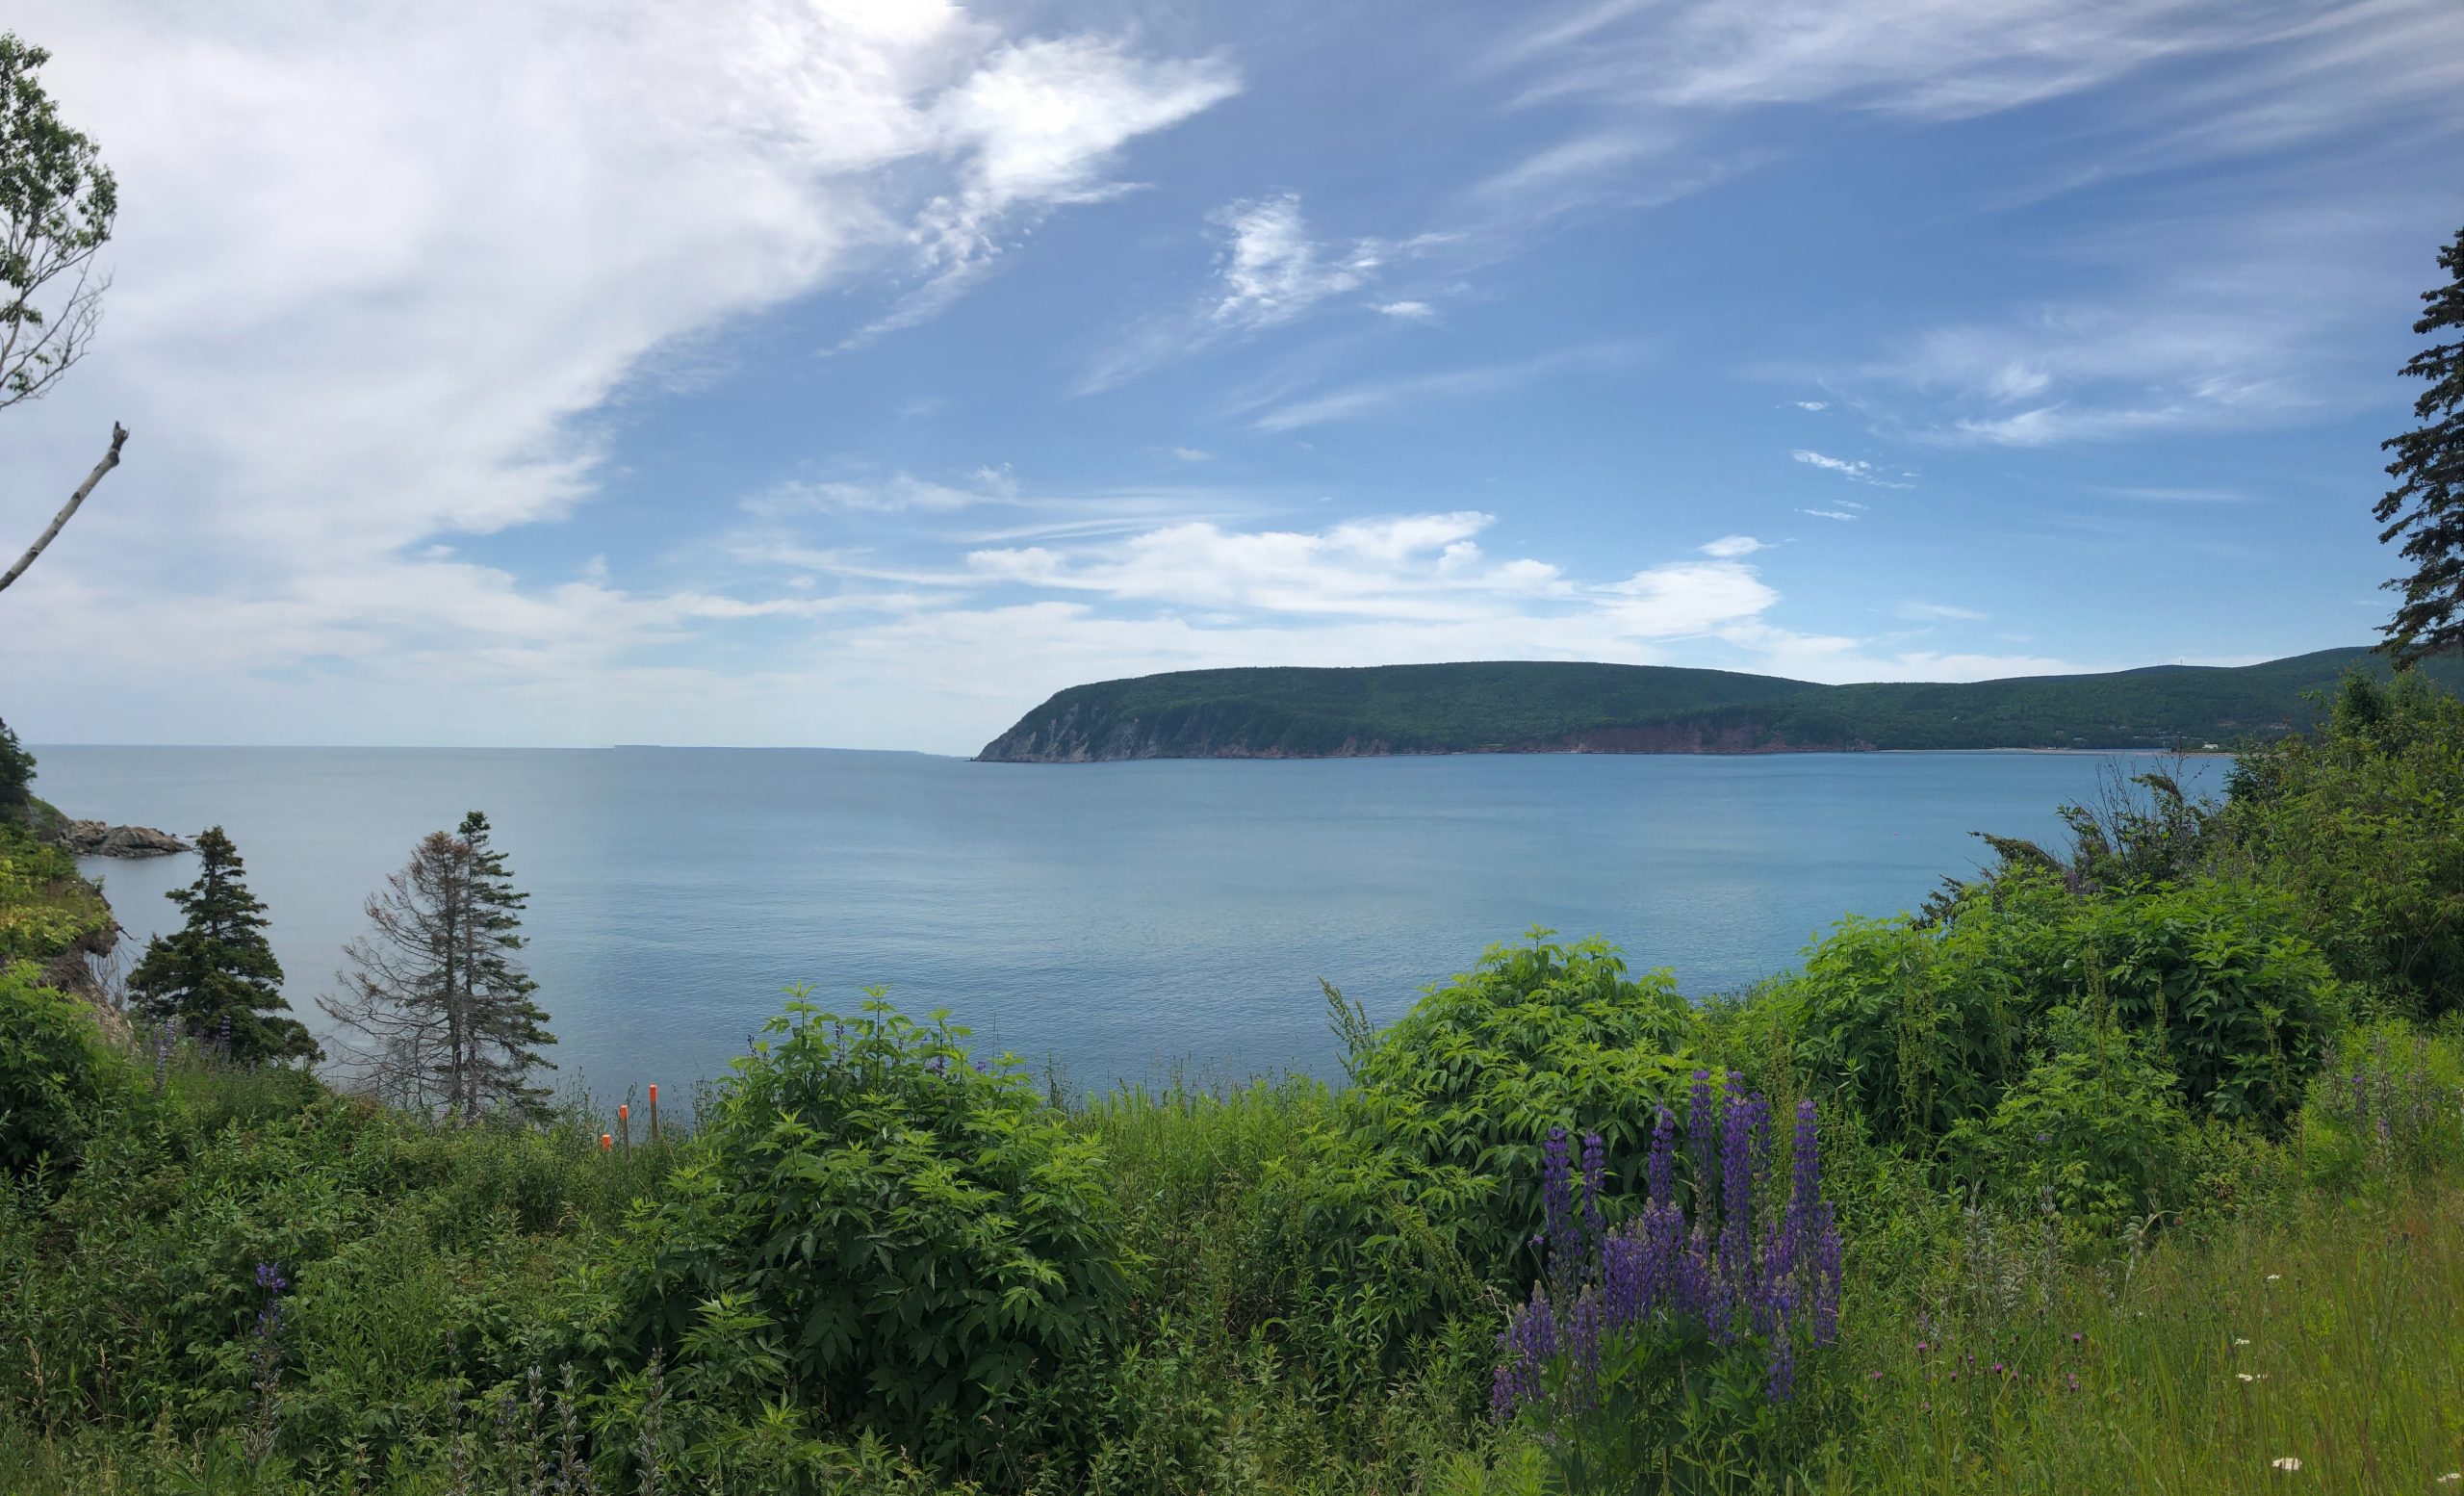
x=1115 y=918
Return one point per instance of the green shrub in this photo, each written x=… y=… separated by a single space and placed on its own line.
x=2091 y=1126
x=1466 y=1086
x=2363 y=828
x=54 y=1073
x=2238 y=1004
x=1922 y=1027
x=918 y=1246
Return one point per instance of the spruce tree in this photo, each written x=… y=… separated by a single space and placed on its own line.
x=2427 y=505
x=216 y=975
x=508 y=1029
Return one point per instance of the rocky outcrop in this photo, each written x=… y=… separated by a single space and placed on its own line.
x=94 y=839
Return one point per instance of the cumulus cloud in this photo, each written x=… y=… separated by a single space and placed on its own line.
x=378 y=268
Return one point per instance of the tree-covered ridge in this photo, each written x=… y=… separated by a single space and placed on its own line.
x=1543 y=705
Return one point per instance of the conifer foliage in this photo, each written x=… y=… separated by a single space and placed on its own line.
x=435 y=1006
x=2427 y=505
x=217 y=977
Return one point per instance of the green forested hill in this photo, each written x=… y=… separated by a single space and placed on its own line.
x=1548 y=707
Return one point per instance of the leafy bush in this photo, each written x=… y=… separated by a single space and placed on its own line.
x=1470 y=1083
x=45 y=908
x=2238 y=1003
x=2363 y=828
x=1922 y=1027
x=53 y=1073
x=2091 y=1127
x=912 y=1242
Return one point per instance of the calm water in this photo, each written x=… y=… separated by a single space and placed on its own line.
x=1115 y=918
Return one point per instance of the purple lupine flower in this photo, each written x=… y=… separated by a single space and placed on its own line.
x=1702 y=1135
x=1595 y=1168
x=265 y=1359
x=1582 y=1351
x=1727 y=1273
x=1556 y=1185
x=1528 y=1343
x=1659 y=1170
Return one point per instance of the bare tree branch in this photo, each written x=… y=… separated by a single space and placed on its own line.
x=51 y=532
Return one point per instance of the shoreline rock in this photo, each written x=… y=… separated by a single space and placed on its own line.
x=95 y=838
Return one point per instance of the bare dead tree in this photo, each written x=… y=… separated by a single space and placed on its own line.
x=51 y=531
x=399 y=1012
x=435 y=1014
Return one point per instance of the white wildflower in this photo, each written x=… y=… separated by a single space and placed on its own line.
x=2239 y=1341
x=2288 y=1463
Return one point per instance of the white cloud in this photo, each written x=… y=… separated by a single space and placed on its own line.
x=1190 y=454
x=2169 y=343
x=1811 y=404
x=902 y=491
x=1407 y=311
x=1272 y=270
x=1936 y=613
x=1373 y=396
x=380 y=271
x=1732 y=546
x=1827 y=514
x=1851 y=469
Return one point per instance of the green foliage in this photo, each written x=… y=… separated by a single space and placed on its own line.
x=2092 y=1128
x=56 y=202
x=54 y=1075
x=1477 y=708
x=2363 y=829
x=1922 y=1027
x=47 y=910
x=1468 y=1085
x=917 y=1246
x=218 y=971
x=16 y=776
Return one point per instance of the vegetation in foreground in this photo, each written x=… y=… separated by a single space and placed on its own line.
x=2130 y=1163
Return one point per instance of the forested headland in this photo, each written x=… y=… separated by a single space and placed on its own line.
x=1554 y=706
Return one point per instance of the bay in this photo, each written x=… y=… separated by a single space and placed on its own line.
x=1116 y=921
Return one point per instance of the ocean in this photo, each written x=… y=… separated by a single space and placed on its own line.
x=1113 y=923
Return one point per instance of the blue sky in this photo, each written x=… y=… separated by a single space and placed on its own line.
x=857 y=375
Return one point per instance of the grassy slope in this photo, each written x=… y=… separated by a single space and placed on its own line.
x=1470 y=707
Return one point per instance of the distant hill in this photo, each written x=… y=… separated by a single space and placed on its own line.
x=1548 y=707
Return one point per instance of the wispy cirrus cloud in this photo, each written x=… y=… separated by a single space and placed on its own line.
x=1855 y=470
x=1373 y=396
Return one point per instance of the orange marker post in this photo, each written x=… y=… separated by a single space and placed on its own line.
x=624 y=1120
x=653 y=1114
x=606 y=1142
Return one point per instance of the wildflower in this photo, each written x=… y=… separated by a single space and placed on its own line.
x=2288 y=1463
x=2274 y=1277
x=1920 y=1344
x=2239 y=1341
x=1873 y=1376
x=2076 y=1338
x=2451 y=1478
x=2246 y=1375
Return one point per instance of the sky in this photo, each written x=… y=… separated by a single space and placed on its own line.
x=857 y=375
